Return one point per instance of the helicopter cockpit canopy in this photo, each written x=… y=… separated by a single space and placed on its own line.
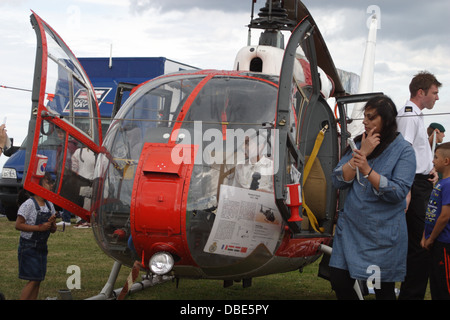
x=221 y=113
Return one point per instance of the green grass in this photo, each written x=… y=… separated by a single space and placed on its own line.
x=72 y=247
x=78 y=247
x=286 y=286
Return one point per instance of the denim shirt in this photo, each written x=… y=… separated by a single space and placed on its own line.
x=371 y=228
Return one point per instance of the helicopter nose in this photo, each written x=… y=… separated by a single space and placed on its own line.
x=157 y=201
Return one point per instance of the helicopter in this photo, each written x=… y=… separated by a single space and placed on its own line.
x=206 y=174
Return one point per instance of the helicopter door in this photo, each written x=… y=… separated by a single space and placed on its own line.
x=307 y=145
x=64 y=127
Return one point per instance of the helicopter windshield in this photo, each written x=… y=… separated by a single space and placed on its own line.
x=146 y=117
x=223 y=115
x=232 y=126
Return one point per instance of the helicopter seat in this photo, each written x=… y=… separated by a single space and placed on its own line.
x=315 y=193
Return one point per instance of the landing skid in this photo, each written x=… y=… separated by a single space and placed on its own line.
x=109 y=293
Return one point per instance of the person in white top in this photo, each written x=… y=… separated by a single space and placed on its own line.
x=3 y=137
x=257 y=171
x=83 y=163
x=424 y=89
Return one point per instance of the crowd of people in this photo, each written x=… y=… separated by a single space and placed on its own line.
x=396 y=215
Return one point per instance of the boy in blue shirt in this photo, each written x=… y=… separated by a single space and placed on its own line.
x=436 y=236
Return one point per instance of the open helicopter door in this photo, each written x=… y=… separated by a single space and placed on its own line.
x=307 y=139
x=64 y=135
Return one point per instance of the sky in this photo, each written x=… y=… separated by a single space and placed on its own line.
x=412 y=36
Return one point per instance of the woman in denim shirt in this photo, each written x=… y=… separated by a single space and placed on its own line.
x=371 y=235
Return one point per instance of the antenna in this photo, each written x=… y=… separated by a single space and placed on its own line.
x=249 y=37
x=366 y=83
x=110 y=56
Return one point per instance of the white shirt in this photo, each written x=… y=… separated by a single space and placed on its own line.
x=28 y=211
x=83 y=162
x=412 y=127
x=244 y=174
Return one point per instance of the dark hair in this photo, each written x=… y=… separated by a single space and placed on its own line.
x=423 y=80
x=23 y=196
x=48 y=178
x=444 y=146
x=387 y=110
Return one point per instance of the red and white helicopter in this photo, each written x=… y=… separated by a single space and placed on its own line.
x=203 y=174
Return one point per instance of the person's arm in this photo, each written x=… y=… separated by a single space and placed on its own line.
x=52 y=221
x=366 y=170
x=408 y=200
x=341 y=180
x=369 y=142
x=349 y=170
x=441 y=222
x=373 y=177
x=396 y=187
x=21 y=225
x=435 y=177
x=3 y=137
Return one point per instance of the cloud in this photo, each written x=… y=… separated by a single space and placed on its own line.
x=140 y=6
x=416 y=23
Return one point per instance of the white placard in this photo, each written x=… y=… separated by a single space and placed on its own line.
x=244 y=219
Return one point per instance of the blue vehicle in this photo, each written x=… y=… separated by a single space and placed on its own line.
x=112 y=79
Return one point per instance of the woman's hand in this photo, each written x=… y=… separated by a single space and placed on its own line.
x=360 y=161
x=369 y=142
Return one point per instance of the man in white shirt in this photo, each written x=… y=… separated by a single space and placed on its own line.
x=424 y=89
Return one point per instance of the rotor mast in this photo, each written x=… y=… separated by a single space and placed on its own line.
x=272 y=18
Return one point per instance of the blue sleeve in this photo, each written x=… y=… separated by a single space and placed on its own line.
x=397 y=187
x=445 y=192
x=337 y=177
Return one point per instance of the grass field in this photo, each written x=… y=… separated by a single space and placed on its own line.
x=78 y=247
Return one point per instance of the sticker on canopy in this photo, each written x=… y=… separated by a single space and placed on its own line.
x=41 y=165
x=244 y=220
x=80 y=103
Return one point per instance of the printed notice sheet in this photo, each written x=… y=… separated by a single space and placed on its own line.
x=244 y=219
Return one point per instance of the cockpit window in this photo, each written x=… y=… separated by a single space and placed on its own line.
x=146 y=118
x=68 y=91
x=151 y=116
x=159 y=107
x=235 y=102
